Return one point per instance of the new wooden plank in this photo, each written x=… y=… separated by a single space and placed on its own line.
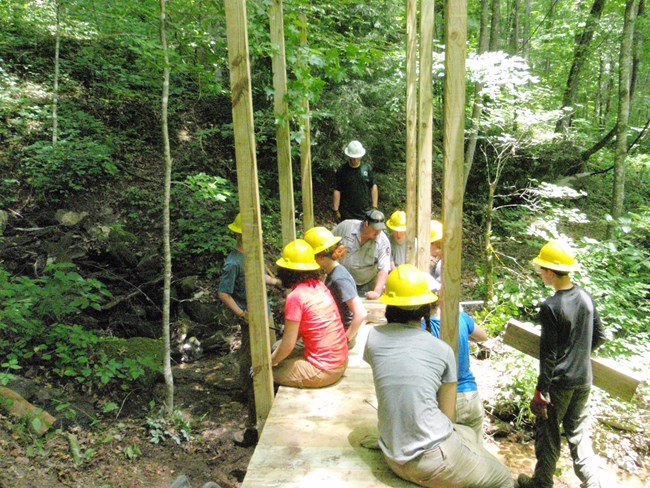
x=609 y=376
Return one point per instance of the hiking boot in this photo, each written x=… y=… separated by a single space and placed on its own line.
x=248 y=438
x=525 y=481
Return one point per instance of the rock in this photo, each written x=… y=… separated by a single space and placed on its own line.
x=136 y=347
x=202 y=312
x=25 y=387
x=188 y=286
x=69 y=218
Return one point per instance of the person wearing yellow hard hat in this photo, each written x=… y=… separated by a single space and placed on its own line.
x=232 y=293
x=311 y=314
x=414 y=374
x=436 y=251
x=571 y=330
x=327 y=251
x=397 y=239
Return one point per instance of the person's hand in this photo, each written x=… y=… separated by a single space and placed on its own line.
x=372 y=295
x=540 y=403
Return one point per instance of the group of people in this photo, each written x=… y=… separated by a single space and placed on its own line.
x=430 y=413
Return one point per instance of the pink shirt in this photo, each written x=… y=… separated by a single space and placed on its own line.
x=311 y=305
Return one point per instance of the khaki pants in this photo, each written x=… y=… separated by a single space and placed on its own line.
x=457 y=462
x=470 y=412
x=297 y=372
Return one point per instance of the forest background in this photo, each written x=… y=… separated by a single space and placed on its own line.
x=557 y=121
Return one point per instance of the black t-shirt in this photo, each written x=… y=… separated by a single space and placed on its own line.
x=355 y=185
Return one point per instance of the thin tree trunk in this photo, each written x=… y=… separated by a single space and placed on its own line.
x=55 y=94
x=526 y=29
x=495 y=27
x=636 y=53
x=580 y=53
x=477 y=109
x=169 y=378
x=514 y=33
x=625 y=70
x=487 y=244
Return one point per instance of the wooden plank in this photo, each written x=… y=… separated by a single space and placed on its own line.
x=312 y=437
x=280 y=106
x=411 y=129
x=249 y=204
x=608 y=376
x=453 y=166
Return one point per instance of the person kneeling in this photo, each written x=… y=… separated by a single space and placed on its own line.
x=415 y=379
x=311 y=314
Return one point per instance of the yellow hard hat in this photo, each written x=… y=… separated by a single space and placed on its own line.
x=397 y=221
x=436 y=231
x=321 y=239
x=235 y=225
x=298 y=255
x=557 y=257
x=407 y=286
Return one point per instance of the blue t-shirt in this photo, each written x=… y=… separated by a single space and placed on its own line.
x=233 y=279
x=466 y=381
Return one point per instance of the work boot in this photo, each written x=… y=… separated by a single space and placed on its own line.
x=525 y=481
x=248 y=438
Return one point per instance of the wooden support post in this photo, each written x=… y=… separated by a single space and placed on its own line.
x=249 y=205
x=425 y=136
x=283 y=139
x=608 y=376
x=305 y=149
x=411 y=131
x=453 y=160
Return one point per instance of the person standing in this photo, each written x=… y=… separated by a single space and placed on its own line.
x=327 y=251
x=232 y=292
x=397 y=225
x=355 y=190
x=415 y=380
x=571 y=330
x=367 y=256
x=310 y=313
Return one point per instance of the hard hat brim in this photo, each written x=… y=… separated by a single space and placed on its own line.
x=556 y=266
x=297 y=266
x=327 y=245
x=408 y=301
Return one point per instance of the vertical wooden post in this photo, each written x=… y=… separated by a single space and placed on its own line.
x=453 y=131
x=425 y=135
x=283 y=140
x=411 y=130
x=305 y=150
x=249 y=204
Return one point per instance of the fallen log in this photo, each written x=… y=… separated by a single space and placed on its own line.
x=39 y=421
x=608 y=376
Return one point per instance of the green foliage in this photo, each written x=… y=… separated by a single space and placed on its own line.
x=163 y=427
x=34 y=331
x=513 y=400
x=202 y=207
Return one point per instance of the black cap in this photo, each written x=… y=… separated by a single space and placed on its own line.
x=376 y=219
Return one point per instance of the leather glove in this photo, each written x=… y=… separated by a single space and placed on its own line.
x=540 y=403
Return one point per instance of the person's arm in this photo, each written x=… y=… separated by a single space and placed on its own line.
x=447 y=400
x=479 y=334
x=269 y=280
x=379 y=285
x=547 y=349
x=374 y=196
x=336 y=202
x=230 y=302
x=288 y=342
x=599 y=337
x=359 y=314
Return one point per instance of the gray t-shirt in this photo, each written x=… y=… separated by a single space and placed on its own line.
x=408 y=367
x=397 y=250
x=362 y=261
x=342 y=286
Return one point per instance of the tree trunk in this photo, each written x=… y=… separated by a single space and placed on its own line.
x=487 y=244
x=169 y=378
x=525 y=47
x=495 y=27
x=625 y=69
x=55 y=94
x=580 y=53
x=477 y=109
x=514 y=33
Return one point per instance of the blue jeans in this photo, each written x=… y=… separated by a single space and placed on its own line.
x=570 y=409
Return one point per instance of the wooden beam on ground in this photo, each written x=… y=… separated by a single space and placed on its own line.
x=453 y=166
x=425 y=136
x=411 y=130
x=608 y=376
x=39 y=421
x=249 y=205
x=305 y=147
x=283 y=139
